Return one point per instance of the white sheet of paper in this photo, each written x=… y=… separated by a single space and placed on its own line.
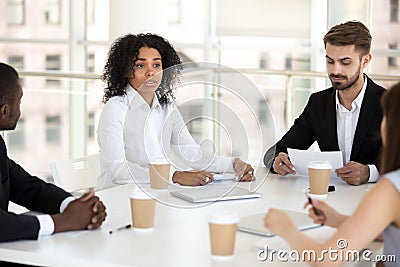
x=224 y=176
x=300 y=159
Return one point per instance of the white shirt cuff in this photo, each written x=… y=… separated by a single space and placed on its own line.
x=373 y=174
x=65 y=203
x=46 y=225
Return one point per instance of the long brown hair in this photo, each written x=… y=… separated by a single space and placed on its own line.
x=390 y=102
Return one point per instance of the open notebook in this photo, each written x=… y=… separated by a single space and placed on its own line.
x=214 y=193
x=254 y=224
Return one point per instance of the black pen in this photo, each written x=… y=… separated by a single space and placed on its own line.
x=120 y=228
x=317 y=212
x=314 y=209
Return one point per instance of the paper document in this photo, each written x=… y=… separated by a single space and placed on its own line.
x=300 y=159
x=224 y=176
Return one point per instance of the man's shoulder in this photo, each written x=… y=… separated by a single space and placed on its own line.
x=374 y=87
x=323 y=95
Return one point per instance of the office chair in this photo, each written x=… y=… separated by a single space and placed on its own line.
x=76 y=174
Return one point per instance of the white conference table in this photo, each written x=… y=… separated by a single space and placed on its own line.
x=180 y=236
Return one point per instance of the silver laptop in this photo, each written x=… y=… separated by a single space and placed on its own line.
x=214 y=193
x=254 y=224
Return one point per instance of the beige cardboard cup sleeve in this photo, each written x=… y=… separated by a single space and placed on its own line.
x=143 y=209
x=159 y=176
x=223 y=233
x=319 y=174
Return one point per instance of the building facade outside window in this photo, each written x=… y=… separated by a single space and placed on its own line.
x=52 y=11
x=174 y=11
x=15 y=12
x=16 y=138
x=90 y=63
x=53 y=63
x=16 y=61
x=394 y=10
x=91 y=126
x=53 y=132
x=91 y=11
x=392 y=61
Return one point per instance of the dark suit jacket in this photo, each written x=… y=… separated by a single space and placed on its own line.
x=318 y=123
x=28 y=191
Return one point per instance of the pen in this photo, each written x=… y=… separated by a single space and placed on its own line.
x=317 y=212
x=120 y=228
x=314 y=209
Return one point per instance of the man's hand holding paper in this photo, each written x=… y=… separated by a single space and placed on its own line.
x=354 y=173
x=301 y=158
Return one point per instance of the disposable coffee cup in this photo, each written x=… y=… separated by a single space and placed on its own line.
x=159 y=176
x=319 y=173
x=143 y=209
x=222 y=233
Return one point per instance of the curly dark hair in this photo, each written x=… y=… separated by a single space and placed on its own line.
x=121 y=59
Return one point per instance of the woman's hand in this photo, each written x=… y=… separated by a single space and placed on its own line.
x=326 y=215
x=192 y=178
x=244 y=171
x=278 y=222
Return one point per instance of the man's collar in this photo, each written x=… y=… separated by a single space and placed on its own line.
x=359 y=98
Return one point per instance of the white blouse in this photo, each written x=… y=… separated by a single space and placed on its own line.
x=131 y=134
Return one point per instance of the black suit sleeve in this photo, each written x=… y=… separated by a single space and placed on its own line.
x=299 y=136
x=16 y=227
x=28 y=191
x=33 y=193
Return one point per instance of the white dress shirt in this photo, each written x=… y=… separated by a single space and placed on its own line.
x=46 y=223
x=346 y=128
x=131 y=134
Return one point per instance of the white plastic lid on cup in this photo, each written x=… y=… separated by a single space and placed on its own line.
x=223 y=218
x=159 y=160
x=324 y=165
x=138 y=193
x=318 y=197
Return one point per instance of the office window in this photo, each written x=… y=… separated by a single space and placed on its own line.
x=288 y=62
x=53 y=131
x=90 y=63
x=16 y=61
x=174 y=11
x=91 y=126
x=189 y=112
x=263 y=61
x=15 y=12
x=52 y=11
x=394 y=10
x=16 y=138
x=53 y=62
x=262 y=111
x=90 y=12
x=392 y=60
